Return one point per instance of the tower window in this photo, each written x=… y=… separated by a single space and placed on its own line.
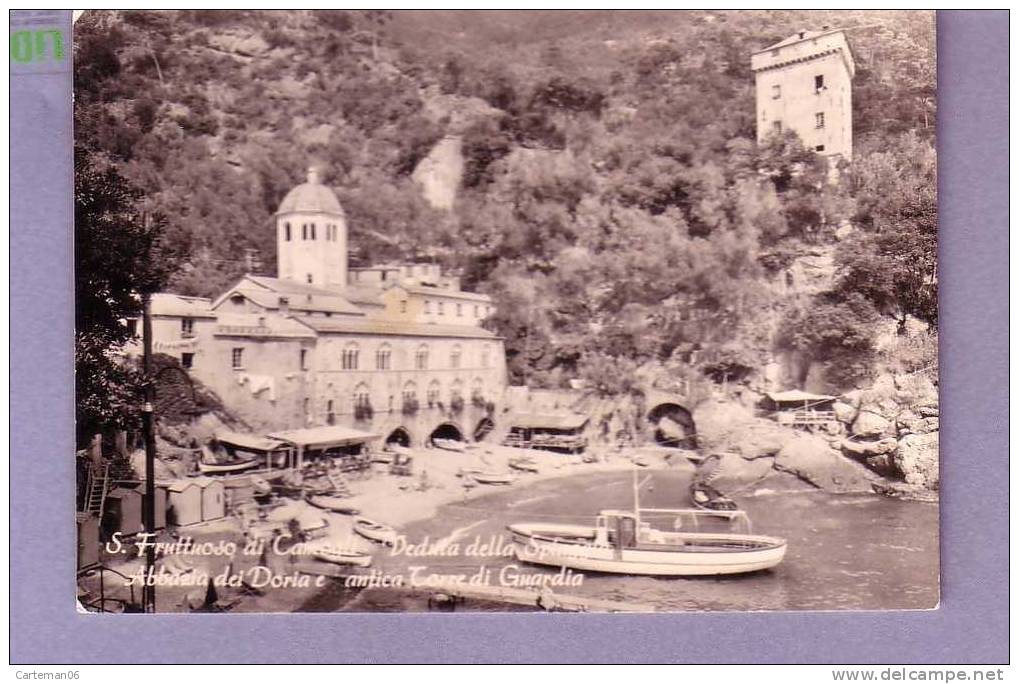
x=819 y=120
x=776 y=92
x=310 y=279
x=237 y=357
x=286 y=231
x=819 y=83
x=440 y=308
x=304 y=359
x=304 y=231
x=459 y=310
x=313 y=231
x=187 y=359
x=428 y=306
x=403 y=306
x=776 y=126
x=819 y=148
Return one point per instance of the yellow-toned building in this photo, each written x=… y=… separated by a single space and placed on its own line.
x=804 y=84
x=396 y=349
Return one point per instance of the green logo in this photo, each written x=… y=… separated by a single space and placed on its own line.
x=37 y=46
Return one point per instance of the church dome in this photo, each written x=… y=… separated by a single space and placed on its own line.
x=311 y=197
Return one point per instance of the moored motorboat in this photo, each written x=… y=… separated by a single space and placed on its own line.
x=707 y=498
x=624 y=542
x=376 y=531
x=333 y=503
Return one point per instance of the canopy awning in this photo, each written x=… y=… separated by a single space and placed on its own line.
x=248 y=442
x=798 y=396
x=324 y=437
x=539 y=421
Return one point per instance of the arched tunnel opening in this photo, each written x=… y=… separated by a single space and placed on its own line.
x=399 y=437
x=483 y=428
x=446 y=431
x=673 y=426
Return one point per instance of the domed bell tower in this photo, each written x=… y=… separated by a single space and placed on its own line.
x=311 y=236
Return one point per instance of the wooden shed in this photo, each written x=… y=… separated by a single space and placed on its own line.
x=213 y=498
x=88 y=540
x=185 y=502
x=123 y=511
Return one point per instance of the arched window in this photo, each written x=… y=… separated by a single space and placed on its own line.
x=410 y=397
x=349 y=360
x=434 y=390
x=454 y=357
x=362 y=401
x=330 y=414
x=384 y=357
x=456 y=390
x=421 y=358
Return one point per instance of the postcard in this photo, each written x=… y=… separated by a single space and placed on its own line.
x=594 y=311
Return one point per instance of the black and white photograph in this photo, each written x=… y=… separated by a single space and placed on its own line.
x=511 y=310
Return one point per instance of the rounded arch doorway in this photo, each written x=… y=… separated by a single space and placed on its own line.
x=400 y=437
x=483 y=428
x=673 y=426
x=449 y=432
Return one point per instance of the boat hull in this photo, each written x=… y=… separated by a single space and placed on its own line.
x=212 y=468
x=376 y=532
x=701 y=554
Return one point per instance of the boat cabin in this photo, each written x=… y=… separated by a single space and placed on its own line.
x=555 y=432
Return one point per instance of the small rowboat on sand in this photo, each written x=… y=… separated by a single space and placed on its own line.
x=333 y=503
x=492 y=478
x=333 y=554
x=449 y=444
x=376 y=531
x=226 y=466
x=523 y=464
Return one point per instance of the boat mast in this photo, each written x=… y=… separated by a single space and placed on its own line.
x=636 y=497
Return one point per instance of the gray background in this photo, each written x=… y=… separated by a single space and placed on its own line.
x=971 y=626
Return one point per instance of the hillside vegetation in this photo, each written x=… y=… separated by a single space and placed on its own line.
x=614 y=201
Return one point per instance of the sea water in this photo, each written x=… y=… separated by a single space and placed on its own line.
x=849 y=551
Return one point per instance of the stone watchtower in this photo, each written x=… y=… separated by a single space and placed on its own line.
x=311 y=236
x=804 y=84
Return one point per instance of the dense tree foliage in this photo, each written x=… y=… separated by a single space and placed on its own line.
x=614 y=200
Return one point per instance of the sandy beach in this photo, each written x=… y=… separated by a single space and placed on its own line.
x=290 y=579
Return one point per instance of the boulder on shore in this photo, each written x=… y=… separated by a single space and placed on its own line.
x=844 y=413
x=733 y=472
x=917 y=459
x=811 y=459
x=870 y=424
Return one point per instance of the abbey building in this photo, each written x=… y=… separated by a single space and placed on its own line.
x=395 y=349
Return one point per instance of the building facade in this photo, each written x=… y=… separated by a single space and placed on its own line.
x=804 y=84
x=397 y=349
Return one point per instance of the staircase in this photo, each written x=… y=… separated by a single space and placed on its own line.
x=98 y=488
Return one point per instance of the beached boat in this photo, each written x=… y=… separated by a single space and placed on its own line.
x=524 y=464
x=624 y=542
x=905 y=492
x=449 y=444
x=333 y=503
x=232 y=466
x=708 y=498
x=376 y=531
x=490 y=478
x=333 y=554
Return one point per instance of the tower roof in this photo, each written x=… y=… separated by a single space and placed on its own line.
x=311 y=197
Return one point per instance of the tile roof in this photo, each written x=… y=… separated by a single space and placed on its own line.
x=169 y=304
x=383 y=327
x=325 y=436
